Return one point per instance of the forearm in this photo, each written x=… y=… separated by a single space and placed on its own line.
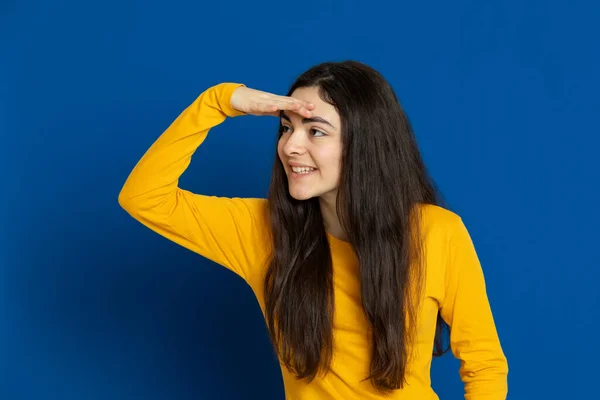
x=157 y=173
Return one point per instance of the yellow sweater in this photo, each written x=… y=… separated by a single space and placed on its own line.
x=233 y=232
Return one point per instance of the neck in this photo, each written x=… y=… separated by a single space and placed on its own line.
x=330 y=218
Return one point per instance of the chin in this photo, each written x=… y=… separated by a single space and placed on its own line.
x=301 y=197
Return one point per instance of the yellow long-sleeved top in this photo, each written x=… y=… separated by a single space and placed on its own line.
x=234 y=233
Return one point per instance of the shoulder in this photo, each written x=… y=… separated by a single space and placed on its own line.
x=258 y=208
x=438 y=221
x=254 y=203
x=441 y=230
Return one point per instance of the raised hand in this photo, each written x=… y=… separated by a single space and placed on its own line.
x=256 y=102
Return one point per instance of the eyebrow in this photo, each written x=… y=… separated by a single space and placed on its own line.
x=308 y=120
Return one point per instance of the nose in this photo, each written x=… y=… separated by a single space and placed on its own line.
x=295 y=143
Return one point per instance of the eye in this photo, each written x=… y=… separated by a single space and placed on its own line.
x=284 y=129
x=318 y=133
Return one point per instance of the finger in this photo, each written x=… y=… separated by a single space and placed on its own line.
x=267 y=108
x=304 y=111
x=297 y=106
x=303 y=103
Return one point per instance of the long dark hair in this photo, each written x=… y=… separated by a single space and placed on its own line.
x=383 y=181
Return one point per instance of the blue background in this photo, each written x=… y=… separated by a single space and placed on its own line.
x=503 y=97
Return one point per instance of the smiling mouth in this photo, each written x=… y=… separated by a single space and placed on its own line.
x=303 y=170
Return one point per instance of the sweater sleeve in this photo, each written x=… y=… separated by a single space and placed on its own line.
x=224 y=230
x=473 y=336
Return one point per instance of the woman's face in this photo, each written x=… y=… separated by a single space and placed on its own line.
x=310 y=149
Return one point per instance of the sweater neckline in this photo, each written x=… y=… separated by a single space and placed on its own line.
x=337 y=240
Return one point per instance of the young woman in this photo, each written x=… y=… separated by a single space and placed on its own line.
x=356 y=265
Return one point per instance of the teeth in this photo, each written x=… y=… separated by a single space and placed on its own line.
x=302 y=170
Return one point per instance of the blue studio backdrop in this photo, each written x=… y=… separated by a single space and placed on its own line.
x=503 y=97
